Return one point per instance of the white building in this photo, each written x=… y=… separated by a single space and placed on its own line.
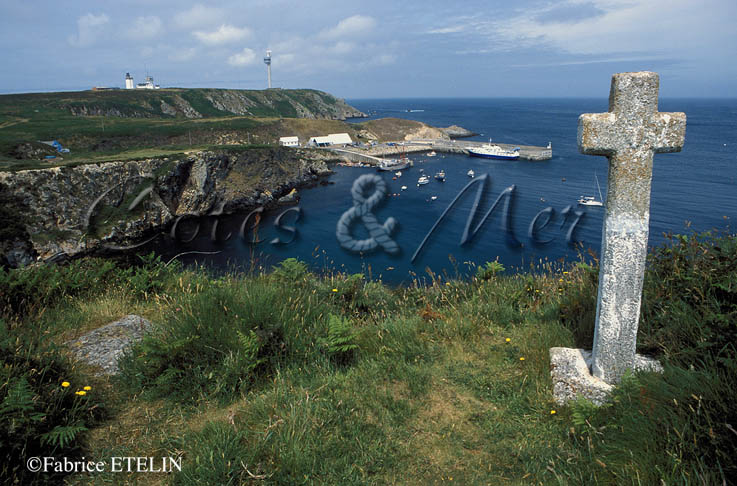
x=289 y=141
x=332 y=139
x=149 y=84
x=128 y=81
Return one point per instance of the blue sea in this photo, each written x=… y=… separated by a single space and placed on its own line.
x=694 y=190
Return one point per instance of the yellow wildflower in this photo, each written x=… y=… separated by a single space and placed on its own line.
x=87 y=388
x=552 y=412
x=335 y=290
x=65 y=384
x=80 y=392
x=508 y=339
x=522 y=358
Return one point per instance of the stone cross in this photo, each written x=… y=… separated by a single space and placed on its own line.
x=628 y=135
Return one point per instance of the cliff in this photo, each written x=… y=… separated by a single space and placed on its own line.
x=185 y=103
x=74 y=210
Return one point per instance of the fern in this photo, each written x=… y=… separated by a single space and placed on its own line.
x=340 y=343
x=62 y=435
x=583 y=411
x=18 y=407
x=19 y=398
x=250 y=345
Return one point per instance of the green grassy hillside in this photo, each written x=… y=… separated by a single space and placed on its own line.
x=121 y=124
x=289 y=378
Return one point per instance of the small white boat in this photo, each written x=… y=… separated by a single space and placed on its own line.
x=404 y=188
x=398 y=173
x=440 y=176
x=470 y=173
x=423 y=180
x=432 y=198
x=591 y=200
x=394 y=164
x=432 y=154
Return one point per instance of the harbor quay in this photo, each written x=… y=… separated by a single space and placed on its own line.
x=526 y=152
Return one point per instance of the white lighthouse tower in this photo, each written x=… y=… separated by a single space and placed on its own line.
x=267 y=61
x=128 y=81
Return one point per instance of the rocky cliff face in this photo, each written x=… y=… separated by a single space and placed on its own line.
x=199 y=103
x=68 y=211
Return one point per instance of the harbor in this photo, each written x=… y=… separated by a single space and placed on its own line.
x=372 y=155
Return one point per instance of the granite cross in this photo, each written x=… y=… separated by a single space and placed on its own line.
x=627 y=135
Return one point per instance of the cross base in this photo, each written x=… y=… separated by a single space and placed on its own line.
x=570 y=370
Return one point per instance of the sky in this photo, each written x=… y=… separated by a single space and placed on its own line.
x=377 y=49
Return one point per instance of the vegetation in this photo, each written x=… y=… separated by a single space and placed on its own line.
x=293 y=378
x=122 y=124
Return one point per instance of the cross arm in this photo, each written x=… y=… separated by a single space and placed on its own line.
x=669 y=132
x=595 y=134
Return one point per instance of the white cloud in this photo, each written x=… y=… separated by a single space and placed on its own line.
x=89 y=27
x=183 y=55
x=145 y=28
x=243 y=58
x=350 y=27
x=383 y=59
x=338 y=48
x=582 y=62
x=342 y=47
x=284 y=60
x=198 y=16
x=225 y=34
x=447 y=30
x=672 y=28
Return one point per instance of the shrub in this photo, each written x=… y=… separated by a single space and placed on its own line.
x=150 y=276
x=689 y=309
x=291 y=270
x=222 y=339
x=489 y=270
x=44 y=409
x=29 y=289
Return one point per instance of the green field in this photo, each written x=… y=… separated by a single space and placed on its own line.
x=289 y=378
x=123 y=124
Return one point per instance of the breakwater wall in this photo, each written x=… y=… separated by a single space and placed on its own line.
x=373 y=154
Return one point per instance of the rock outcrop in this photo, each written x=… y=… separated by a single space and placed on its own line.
x=385 y=129
x=454 y=131
x=85 y=209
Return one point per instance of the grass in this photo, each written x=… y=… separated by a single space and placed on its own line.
x=289 y=378
x=139 y=128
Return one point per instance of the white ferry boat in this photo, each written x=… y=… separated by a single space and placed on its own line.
x=493 y=151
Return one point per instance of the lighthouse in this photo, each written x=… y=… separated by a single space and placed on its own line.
x=267 y=61
x=128 y=81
